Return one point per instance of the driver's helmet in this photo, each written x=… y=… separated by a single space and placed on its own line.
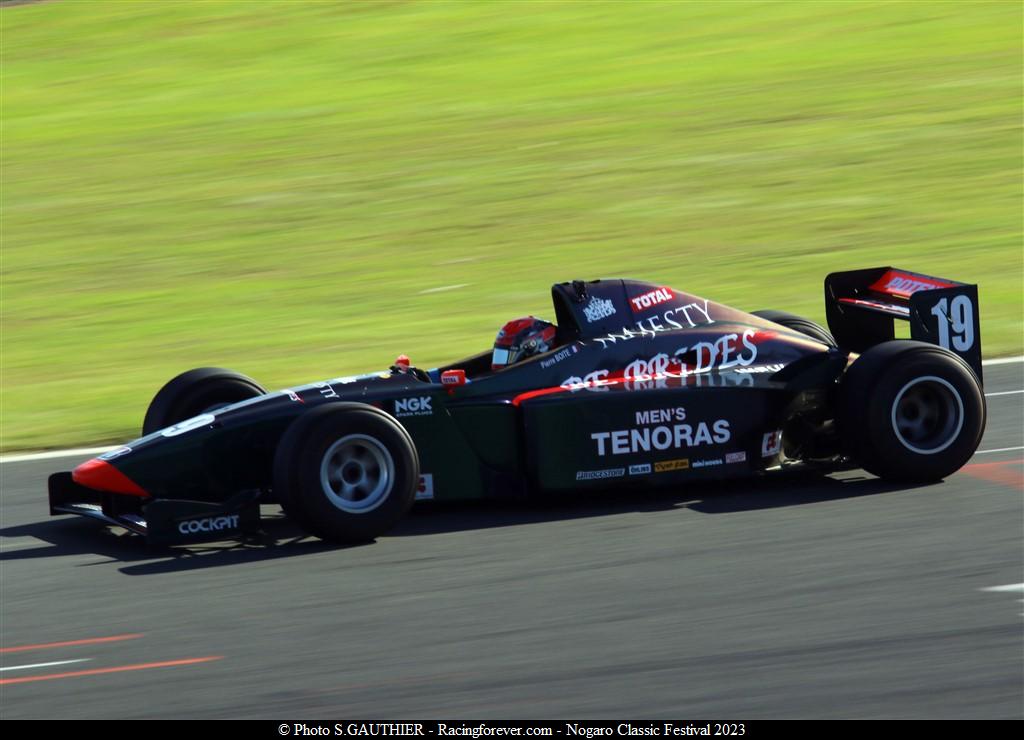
x=521 y=339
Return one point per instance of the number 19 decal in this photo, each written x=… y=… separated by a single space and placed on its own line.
x=958 y=315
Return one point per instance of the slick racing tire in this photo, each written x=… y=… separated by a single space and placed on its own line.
x=346 y=472
x=799 y=324
x=195 y=392
x=910 y=412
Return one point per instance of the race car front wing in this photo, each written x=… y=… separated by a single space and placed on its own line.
x=161 y=521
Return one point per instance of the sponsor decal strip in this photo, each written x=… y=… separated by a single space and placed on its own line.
x=600 y=474
x=904 y=285
x=707 y=463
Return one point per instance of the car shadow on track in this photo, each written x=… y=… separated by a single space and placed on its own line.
x=281 y=538
x=719 y=497
x=74 y=537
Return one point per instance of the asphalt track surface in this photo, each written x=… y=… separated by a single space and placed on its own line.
x=821 y=598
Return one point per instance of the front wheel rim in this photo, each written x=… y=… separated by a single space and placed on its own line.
x=357 y=473
x=927 y=415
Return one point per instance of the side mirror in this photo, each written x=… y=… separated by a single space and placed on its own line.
x=453 y=378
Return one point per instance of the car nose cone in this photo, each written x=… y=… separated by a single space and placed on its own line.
x=100 y=475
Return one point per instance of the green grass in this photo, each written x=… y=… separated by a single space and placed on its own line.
x=269 y=186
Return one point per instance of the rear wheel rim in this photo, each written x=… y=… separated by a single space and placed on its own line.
x=357 y=473
x=927 y=415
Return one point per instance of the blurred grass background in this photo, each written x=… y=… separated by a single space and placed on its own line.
x=304 y=190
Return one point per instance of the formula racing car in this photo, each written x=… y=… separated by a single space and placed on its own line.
x=636 y=384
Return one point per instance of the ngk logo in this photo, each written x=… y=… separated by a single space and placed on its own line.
x=414 y=406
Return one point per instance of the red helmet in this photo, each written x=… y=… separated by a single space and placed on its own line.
x=520 y=339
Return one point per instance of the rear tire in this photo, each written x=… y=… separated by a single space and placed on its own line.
x=798 y=324
x=195 y=392
x=910 y=411
x=346 y=472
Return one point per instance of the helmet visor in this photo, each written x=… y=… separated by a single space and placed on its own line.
x=505 y=356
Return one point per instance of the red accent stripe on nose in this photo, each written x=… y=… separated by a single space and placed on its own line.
x=102 y=476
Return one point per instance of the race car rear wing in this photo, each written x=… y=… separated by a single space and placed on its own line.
x=861 y=306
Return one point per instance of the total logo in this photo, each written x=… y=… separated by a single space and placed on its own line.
x=209 y=524
x=651 y=299
x=414 y=406
x=597 y=309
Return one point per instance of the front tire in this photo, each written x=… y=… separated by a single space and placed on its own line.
x=911 y=412
x=196 y=392
x=346 y=472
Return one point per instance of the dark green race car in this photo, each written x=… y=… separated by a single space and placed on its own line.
x=639 y=384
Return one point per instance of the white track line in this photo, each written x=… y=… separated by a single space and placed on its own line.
x=42 y=665
x=57 y=453
x=101 y=450
x=1001 y=449
x=1003 y=393
x=444 y=288
x=1011 y=587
